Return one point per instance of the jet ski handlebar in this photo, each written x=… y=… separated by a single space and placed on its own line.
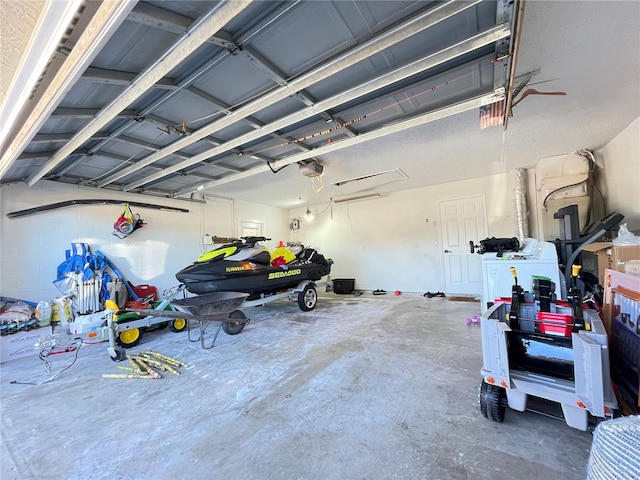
x=251 y=241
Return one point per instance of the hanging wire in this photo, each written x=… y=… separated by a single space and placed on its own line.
x=320 y=186
x=75 y=346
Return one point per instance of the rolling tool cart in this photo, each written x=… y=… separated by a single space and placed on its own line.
x=535 y=345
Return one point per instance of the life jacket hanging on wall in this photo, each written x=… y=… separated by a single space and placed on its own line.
x=126 y=224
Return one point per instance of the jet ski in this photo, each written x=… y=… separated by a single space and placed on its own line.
x=245 y=266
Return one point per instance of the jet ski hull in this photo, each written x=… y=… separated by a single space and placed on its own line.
x=251 y=278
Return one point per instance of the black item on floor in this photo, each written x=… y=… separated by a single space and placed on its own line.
x=344 y=286
x=379 y=292
x=431 y=295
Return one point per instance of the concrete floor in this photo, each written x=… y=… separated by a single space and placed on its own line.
x=363 y=387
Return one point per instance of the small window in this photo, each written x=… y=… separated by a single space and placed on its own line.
x=251 y=229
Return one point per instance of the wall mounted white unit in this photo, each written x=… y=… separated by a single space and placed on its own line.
x=561 y=180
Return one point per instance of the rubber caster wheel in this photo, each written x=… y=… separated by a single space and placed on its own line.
x=234 y=328
x=493 y=402
x=129 y=338
x=308 y=298
x=118 y=355
x=178 y=325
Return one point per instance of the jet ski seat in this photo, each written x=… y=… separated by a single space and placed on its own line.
x=311 y=255
x=262 y=258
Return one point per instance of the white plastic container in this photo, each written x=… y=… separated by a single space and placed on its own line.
x=43 y=313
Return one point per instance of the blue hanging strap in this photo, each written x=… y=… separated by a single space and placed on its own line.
x=104 y=291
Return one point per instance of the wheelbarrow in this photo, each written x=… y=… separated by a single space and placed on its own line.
x=204 y=309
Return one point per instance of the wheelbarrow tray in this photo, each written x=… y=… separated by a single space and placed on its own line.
x=210 y=303
x=211 y=306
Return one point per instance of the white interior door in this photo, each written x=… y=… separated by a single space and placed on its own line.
x=462 y=220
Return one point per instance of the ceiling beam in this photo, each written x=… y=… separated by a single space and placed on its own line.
x=53 y=18
x=484 y=38
x=34 y=155
x=56 y=137
x=117 y=77
x=138 y=143
x=224 y=108
x=470 y=104
x=188 y=43
x=102 y=26
x=87 y=112
x=387 y=39
x=267 y=18
x=216 y=163
x=156 y=17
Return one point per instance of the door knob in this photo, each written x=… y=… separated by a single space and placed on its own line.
x=448 y=251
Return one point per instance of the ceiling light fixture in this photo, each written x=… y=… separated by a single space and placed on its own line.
x=308 y=216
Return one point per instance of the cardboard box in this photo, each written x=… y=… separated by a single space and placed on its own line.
x=621 y=318
x=21 y=344
x=625 y=342
x=614 y=280
x=612 y=257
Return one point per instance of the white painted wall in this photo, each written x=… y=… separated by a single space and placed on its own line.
x=32 y=247
x=393 y=242
x=621 y=178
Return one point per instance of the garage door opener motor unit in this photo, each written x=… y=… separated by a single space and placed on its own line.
x=311 y=169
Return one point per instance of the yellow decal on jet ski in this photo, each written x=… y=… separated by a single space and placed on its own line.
x=224 y=252
x=284 y=273
x=241 y=268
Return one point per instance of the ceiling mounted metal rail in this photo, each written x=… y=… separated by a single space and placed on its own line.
x=362 y=52
x=477 y=41
x=191 y=40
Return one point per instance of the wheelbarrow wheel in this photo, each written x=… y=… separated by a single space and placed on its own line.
x=234 y=328
x=178 y=325
x=129 y=338
x=493 y=402
x=308 y=298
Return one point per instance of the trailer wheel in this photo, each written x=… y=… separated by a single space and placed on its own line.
x=492 y=402
x=234 y=328
x=308 y=298
x=178 y=325
x=129 y=338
